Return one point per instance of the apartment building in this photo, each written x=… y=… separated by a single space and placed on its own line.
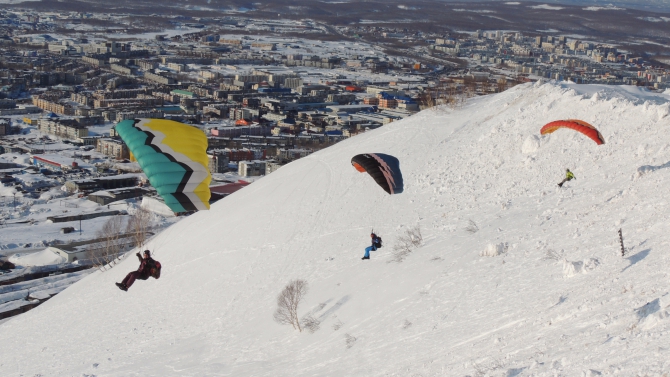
x=116 y=94
x=82 y=98
x=293 y=82
x=123 y=115
x=65 y=128
x=244 y=113
x=251 y=168
x=158 y=78
x=218 y=162
x=113 y=147
x=121 y=69
x=177 y=67
x=146 y=64
x=142 y=100
x=54 y=107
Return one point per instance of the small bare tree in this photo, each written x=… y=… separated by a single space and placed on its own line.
x=406 y=243
x=110 y=243
x=470 y=88
x=139 y=225
x=310 y=323
x=442 y=93
x=502 y=84
x=472 y=227
x=288 y=301
x=551 y=254
x=426 y=100
x=349 y=340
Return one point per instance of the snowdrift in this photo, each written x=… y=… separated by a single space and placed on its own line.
x=515 y=276
x=41 y=258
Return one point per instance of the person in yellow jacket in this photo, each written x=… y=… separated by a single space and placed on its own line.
x=568 y=177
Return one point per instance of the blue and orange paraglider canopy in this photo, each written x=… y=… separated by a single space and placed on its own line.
x=385 y=170
x=577 y=125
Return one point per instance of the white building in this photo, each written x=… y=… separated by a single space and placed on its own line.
x=251 y=168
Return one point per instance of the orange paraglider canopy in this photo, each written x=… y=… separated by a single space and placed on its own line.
x=577 y=125
x=358 y=167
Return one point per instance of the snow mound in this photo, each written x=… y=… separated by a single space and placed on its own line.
x=654 y=312
x=531 y=144
x=493 y=250
x=156 y=206
x=41 y=258
x=571 y=269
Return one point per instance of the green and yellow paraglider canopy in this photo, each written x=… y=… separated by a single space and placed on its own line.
x=173 y=155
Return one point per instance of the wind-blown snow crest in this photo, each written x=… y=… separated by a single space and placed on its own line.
x=515 y=276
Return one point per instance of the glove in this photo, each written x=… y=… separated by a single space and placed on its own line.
x=138 y=254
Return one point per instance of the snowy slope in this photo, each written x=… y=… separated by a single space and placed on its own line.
x=445 y=310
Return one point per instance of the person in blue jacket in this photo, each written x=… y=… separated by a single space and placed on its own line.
x=376 y=243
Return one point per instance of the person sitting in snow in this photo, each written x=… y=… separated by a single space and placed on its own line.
x=568 y=177
x=142 y=273
x=376 y=243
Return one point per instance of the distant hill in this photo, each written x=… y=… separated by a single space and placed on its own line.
x=651 y=5
x=641 y=30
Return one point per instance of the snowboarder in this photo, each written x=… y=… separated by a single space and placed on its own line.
x=568 y=177
x=376 y=243
x=142 y=273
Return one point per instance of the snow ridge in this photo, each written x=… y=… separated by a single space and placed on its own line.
x=538 y=287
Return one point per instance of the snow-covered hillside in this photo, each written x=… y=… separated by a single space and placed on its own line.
x=445 y=310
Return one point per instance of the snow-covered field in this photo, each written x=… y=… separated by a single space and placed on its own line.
x=540 y=289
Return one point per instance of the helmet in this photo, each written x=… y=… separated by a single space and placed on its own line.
x=147 y=252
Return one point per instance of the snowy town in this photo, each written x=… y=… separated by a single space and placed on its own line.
x=261 y=100
x=264 y=93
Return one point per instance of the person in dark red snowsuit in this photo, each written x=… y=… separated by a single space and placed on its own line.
x=142 y=273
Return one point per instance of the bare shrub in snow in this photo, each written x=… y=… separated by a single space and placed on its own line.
x=310 y=323
x=110 y=243
x=139 y=225
x=337 y=325
x=406 y=243
x=472 y=227
x=288 y=301
x=445 y=93
x=552 y=255
x=426 y=100
x=406 y=325
x=440 y=94
x=349 y=340
x=485 y=369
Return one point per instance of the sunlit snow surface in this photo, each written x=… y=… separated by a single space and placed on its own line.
x=41 y=258
x=448 y=309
